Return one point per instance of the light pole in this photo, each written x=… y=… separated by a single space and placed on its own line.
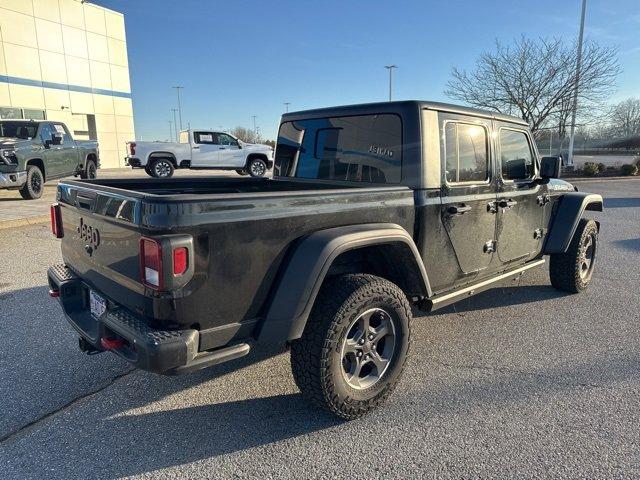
x=390 y=68
x=254 y=124
x=170 y=129
x=286 y=106
x=178 y=88
x=575 y=90
x=175 y=124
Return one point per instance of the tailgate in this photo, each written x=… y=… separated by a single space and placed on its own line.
x=101 y=238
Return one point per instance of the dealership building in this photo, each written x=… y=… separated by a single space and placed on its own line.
x=67 y=60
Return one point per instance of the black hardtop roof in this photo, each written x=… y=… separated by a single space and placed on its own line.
x=397 y=106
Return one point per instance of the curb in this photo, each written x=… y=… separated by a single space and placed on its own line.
x=598 y=179
x=22 y=222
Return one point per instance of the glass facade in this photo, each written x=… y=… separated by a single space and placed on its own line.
x=67 y=61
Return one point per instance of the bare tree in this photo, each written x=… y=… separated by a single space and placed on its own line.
x=625 y=118
x=535 y=80
x=246 y=135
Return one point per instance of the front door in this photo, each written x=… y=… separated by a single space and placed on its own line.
x=231 y=155
x=520 y=199
x=468 y=191
x=205 y=150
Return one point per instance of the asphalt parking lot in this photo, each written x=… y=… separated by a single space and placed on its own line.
x=521 y=381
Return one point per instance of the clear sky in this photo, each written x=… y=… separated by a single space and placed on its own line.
x=242 y=58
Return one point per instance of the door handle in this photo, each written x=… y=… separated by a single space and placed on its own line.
x=458 y=210
x=196 y=147
x=222 y=148
x=507 y=203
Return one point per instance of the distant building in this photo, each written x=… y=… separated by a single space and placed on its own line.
x=66 y=60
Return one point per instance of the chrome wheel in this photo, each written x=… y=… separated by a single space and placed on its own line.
x=367 y=348
x=91 y=170
x=587 y=256
x=162 y=168
x=257 y=168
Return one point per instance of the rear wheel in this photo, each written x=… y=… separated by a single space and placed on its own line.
x=90 y=170
x=257 y=167
x=161 y=168
x=32 y=189
x=572 y=270
x=354 y=346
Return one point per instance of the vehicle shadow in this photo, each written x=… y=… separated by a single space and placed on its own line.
x=622 y=202
x=629 y=244
x=503 y=297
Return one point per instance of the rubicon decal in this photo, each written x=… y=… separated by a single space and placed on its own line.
x=89 y=234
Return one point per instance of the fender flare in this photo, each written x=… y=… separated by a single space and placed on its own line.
x=169 y=155
x=307 y=267
x=570 y=209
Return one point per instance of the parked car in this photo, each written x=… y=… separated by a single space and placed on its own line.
x=200 y=149
x=32 y=152
x=373 y=209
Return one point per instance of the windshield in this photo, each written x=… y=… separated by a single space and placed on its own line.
x=13 y=129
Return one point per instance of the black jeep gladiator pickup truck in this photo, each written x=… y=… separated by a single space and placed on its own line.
x=373 y=209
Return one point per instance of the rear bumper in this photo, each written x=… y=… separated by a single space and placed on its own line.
x=129 y=336
x=133 y=162
x=13 y=180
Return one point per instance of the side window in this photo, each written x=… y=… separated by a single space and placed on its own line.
x=60 y=129
x=466 y=153
x=45 y=132
x=206 y=138
x=515 y=155
x=224 y=139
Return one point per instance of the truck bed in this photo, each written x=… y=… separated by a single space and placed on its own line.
x=242 y=230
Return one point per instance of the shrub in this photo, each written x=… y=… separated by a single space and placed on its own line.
x=590 y=169
x=629 y=169
x=601 y=167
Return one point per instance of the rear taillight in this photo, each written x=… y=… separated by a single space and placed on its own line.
x=180 y=260
x=151 y=263
x=132 y=148
x=56 y=221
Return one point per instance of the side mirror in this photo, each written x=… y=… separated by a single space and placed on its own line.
x=56 y=139
x=48 y=143
x=550 y=167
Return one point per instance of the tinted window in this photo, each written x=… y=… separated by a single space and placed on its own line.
x=22 y=130
x=515 y=155
x=45 y=132
x=365 y=148
x=466 y=153
x=205 y=137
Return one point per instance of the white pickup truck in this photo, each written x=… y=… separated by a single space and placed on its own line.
x=200 y=149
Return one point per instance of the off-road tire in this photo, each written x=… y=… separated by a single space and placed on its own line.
x=163 y=164
x=316 y=358
x=257 y=167
x=34 y=186
x=90 y=170
x=565 y=269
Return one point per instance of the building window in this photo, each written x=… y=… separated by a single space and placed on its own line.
x=14 y=113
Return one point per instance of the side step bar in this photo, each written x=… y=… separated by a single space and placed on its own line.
x=207 y=359
x=442 y=300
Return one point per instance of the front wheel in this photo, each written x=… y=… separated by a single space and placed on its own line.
x=257 y=167
x=90 y=170
x=34 y=186
x=161 y=168
x=572 y=270
x=353 y=349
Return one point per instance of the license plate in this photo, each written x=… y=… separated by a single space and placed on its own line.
x=97 y=304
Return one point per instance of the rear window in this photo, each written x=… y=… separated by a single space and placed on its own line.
x=363 y=148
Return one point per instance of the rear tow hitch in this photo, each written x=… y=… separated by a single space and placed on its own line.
x=87 y=348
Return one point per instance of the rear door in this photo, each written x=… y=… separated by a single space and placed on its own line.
x=205 y=150
x=468 y=191
x=519 y=210
x=64 y=157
